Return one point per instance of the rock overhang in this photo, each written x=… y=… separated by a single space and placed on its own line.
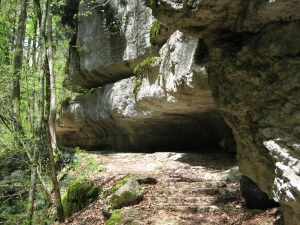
x=253 y=49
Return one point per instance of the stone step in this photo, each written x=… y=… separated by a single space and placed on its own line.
x=198 y=191
x=218 y=199
x=186 y=208
x=204 y=200
x=202 y=184
x=163 y=220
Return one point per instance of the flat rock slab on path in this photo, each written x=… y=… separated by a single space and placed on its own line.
x=192 y=189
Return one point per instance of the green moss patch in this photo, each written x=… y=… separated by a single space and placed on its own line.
x=79 y=194
x=140 y=71
x=128 y=194
x=120 y=183
x=115 y=217
x=118 y=201
x=137 y=86
x=143 y=67
x=154 y=31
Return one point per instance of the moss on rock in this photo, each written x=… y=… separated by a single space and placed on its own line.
x=143 y=67
x=137 y=86
x=140 y=71
x=128 y=194
x=79 y=194
x=115 y=217
x=154 y=31
x=127 y=197
x=120 y=183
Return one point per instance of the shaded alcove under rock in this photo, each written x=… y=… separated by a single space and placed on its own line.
x=190 y=132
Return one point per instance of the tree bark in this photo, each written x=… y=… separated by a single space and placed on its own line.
x=58 y=204
x=39 y=130
x=16 y=93
x=50 y=126
x=52 y=113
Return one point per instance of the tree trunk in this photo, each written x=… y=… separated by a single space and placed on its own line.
x=52 y=113
x=58 y=204
x=39 y=130
x=50 y=126
x=16 y=96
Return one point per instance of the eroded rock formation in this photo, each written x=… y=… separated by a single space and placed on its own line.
x=253 y=68
x=99 y=58
x=167 y=107
x=248 y=50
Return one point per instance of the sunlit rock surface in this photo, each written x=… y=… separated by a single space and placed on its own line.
x=99 y=58
x=252 y=60
x=169 y=106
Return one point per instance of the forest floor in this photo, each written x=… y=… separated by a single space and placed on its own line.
x=177 y=199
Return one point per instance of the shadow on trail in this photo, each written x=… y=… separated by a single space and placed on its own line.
x=209 y=160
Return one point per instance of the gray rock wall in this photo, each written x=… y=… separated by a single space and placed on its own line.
x=253 y=63
x=166 y=107
x=99 y=58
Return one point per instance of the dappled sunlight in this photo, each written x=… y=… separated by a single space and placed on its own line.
x=191 y=189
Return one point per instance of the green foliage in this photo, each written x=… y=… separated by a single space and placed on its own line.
x=140 y=71
x=154 y=31
x=67 y=11
x=112 y=19
x=82 y=165
x=153 y=2
x=115 y=217
x=15 y=147
x=79 y=195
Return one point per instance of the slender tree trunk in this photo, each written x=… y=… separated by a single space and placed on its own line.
x=52 y=113
x=50 y=126
x=16 y=93
x=39 y=130
x=58 y=204
x=48 y=194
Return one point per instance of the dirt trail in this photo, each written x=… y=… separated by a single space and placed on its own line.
x=192 y=189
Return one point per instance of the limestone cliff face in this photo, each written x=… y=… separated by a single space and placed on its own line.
x=167 y=106
x=100 y=58
x=252 y=60
x=241 y=58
